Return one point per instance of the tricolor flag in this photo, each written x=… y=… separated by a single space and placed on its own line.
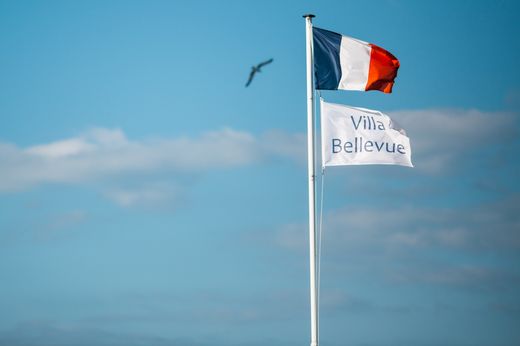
x=342 y=62
x=360 y=136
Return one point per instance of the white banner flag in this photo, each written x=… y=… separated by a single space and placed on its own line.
x=359 y=136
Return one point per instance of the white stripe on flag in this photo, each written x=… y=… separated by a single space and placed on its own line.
x=354 y=57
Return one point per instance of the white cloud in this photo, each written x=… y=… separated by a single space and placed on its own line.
x=292 y=146
x=492 y=227
x=418 y=244
x=43 y=333
x=68 y=147
x=474 y=277
x=441 y=138
x=67 y=220
x=157 y=194
x=51 y=227
x=101 y=153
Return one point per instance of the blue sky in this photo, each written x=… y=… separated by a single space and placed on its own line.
x=148 y=198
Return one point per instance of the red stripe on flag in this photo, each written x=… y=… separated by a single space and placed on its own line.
x=382 y=70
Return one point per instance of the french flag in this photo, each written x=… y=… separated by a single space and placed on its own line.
x=342 y=62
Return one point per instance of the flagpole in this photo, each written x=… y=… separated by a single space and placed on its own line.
x=311 y=176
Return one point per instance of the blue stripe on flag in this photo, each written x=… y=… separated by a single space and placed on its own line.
x=327 y=68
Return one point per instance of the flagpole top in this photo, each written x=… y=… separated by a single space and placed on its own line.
x=309 y=15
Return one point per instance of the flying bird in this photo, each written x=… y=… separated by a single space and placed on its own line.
x=256 y=69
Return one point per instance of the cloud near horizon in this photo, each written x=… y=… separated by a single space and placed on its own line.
x=101 y=153
x=412 y=242
x=439 y=138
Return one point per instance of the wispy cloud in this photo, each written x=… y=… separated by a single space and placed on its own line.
x=101 y=153
x=440 y=138
x=154 y=194
x=42 y=333
x=410 y=239
x=130 y=172
x=472 y=277
x=491 y=227
x=59 y=225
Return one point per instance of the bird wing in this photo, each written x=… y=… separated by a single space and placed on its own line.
x=265 y=63
x=251 y=75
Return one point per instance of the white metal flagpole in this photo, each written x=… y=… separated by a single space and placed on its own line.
x=312 y=176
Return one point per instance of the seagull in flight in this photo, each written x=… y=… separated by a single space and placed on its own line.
x=256 y=69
